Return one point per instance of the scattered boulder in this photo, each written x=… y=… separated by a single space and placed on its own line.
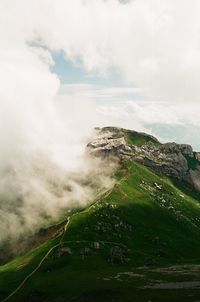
x=63 y=251
x=116 y=255
x=96 y=245
x=159 y=187
x=85 y=252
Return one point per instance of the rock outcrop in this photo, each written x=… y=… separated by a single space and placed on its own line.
x=178 y=161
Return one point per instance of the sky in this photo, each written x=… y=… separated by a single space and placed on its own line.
x=120 y=104
x=132 y=64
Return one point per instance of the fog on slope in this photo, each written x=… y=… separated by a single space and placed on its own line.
x=35 y=191
x=42 y=135
x=43 y=166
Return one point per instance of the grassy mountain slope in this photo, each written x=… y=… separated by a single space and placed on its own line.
x=140 y=234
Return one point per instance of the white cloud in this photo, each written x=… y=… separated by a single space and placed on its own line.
x=100 y=92
x=152 y=44
x=126 y=107
x=42 y=138
x=166 y=121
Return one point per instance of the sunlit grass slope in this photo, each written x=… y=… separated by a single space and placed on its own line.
x=152 y=221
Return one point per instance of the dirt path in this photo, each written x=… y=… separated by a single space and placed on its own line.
x=31 y=274
x=38 y=266
x=51 y=249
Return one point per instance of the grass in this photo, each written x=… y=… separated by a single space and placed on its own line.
x=192 y=162
x=154 y=226
x=139 y=139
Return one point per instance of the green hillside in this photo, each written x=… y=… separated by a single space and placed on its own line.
x=138 y=242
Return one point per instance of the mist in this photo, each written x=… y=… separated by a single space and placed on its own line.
x=43 y=160
x=43 y=133
x=44 y=164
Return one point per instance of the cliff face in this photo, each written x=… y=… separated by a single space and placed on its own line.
x=178 y=161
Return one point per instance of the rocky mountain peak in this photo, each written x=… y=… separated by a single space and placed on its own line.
x=178 y=161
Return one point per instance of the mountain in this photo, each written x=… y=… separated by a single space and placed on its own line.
x=139 y=241
x=174 y=160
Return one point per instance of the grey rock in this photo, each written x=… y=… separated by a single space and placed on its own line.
x=159 y=187
x=116 y=255
x=63 y=251
x=193 y=178
x=95 y=245
x=178 y=148
x=170 y=159
x=85 y=251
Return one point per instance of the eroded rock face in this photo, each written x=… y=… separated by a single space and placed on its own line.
x=171 y=159
x=178 y=148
